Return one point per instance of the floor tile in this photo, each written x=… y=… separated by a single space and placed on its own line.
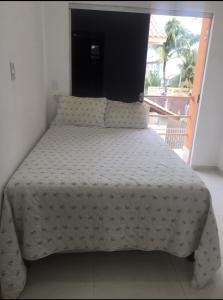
x=213 y=290
x=137 y=276
x=59 y=277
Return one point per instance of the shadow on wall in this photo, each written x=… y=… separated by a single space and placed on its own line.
x=51 y=107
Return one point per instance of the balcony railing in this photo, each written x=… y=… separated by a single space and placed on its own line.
x=174 y=137
x=169 y=120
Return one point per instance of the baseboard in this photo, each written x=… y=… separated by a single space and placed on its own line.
x=205 y=168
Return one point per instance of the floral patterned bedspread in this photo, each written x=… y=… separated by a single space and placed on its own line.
x=104 y=189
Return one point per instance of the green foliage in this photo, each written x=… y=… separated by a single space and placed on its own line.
x=146 y=85
x=179 y=37
x=183 y=122
x=188 y=67
x=178 y=41
x=174 y=82
x=154 y=78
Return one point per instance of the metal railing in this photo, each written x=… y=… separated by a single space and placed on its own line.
x=170 y=125
x=174 y=137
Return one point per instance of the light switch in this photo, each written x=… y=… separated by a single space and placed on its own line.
x=12 y=70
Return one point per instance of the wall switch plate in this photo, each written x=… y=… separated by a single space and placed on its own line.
x=12 y=70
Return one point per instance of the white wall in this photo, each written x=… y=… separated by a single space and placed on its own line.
x=207 y=140
x=56 y=21
x=23 y=101
x=220 y=157
x=211 y=104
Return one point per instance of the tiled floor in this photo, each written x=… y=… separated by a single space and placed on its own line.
x=118 y=275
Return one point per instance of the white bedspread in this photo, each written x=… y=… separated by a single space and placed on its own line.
x=104 y=189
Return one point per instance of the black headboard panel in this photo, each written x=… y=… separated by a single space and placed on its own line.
x=109 y=54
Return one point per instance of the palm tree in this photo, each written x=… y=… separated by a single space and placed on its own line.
x=178 y=40
x=168 y=48
x=187 y=67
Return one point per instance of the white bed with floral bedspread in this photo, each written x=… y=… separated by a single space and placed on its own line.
x=104 y=189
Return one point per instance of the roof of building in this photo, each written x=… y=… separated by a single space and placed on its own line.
x=156 y=34
x=158 y=108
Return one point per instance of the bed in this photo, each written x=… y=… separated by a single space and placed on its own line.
x=104 y=189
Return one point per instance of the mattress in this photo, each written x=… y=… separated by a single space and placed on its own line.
x=104 y=189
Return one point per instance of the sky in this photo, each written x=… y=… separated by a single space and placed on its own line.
x=191 y=23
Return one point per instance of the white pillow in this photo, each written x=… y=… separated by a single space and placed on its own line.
x=80 y=111
x=132 y=115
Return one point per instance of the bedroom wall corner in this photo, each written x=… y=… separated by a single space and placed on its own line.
x=57 y=41
x=23 y=100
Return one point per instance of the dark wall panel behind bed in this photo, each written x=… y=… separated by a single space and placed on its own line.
x=108 y=54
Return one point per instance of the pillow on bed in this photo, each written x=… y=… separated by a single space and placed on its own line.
x=132 y=115
x=80 y=111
